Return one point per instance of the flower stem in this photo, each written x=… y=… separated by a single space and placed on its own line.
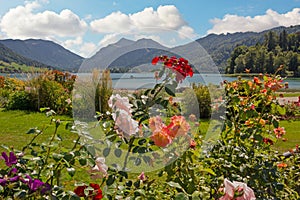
x=130 y=145
x=48 y=151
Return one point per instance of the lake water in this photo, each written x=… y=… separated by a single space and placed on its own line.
x=146 y=80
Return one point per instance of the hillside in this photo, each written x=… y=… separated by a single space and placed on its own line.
x=219 y=47
x=207 y=54
x=46 y=52
x=124 y=54
x=13 y=62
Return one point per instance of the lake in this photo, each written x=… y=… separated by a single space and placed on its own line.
x=146 y=80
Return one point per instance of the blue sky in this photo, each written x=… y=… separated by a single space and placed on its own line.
x=84 y=26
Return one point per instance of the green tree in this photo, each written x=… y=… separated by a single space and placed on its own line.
x=236 y=52
x=271 y=41
x=283 y=40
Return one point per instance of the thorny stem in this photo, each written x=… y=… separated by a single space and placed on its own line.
x=49 y=149
x=128 y=152
x=59 y=164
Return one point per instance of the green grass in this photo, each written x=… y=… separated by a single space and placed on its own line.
x=15 y=124
x=14 y=67
x=292 y=134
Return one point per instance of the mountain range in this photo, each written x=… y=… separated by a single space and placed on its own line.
x=45 y=52
x=207 y=54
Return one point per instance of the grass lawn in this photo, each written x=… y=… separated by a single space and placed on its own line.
x=292 y=134
x=15 y=124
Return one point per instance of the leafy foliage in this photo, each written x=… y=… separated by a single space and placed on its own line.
x=275 y=51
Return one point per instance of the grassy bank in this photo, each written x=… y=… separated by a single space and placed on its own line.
x=15 y=124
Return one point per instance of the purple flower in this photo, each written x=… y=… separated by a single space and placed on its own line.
x=13 y=171
x=34 y=184
x=46 y=188
x=3 y=181
x=14 y=179
x=9 y=160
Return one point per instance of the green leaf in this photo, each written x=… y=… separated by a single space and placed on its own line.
x=208 y=170
x=275 y=123
x=170 y=89
x=110 y=180
x=124 y=174
x=90 y=149
x=140 y=192
x=71 y=171
x=82 y=161
x=142 y=141
x=175 y=185
x=106 y=152
x=44 y=109
x=32 y=130
x=137 y=161
x=118 y=153
x=181 y=196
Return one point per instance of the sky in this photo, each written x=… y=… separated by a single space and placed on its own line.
x=85 y=26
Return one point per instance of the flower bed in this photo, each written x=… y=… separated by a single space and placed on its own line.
x=149 y=149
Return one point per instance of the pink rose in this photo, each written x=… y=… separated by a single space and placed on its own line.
x=100 y=166
x=242 y=188
x=116 y=102
x=125 y=123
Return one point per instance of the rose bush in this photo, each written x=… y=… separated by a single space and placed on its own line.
x=149 y=148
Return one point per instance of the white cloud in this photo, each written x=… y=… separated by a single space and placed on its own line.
x=109 y=39
x=22 y=22
x=234 y=23
x=164 y=19
x=87 y=49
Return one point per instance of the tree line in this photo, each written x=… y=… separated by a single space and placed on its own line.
x=276 y=50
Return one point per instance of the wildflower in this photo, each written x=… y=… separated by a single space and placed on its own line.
x=279 y=132
x=256 y=80
x=36 y=184
x=100 y=166
x=9 y=160
x=142 y=176
x=79 y=191
x=3 y=181
x=178 y=126
x=273 y=84
x=231 y=188
x=98 y=192
x=281 y=165
x=262 y=122
x=192 y=117
x=69 y=101
x=192 y=144
x=161 y=137
x=268 y=141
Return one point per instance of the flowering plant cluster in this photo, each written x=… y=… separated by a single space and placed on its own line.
x=13 y=178
x=149 y=149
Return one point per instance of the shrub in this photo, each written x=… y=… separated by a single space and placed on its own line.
x=197 y=97
x=21 y=100
x=103 y=91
